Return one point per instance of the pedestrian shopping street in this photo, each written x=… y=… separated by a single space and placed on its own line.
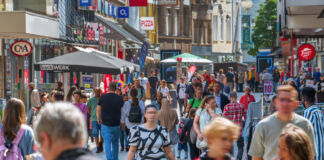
x=161 y=79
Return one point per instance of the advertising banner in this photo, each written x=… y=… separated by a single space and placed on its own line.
x=147 y=23
x=107 y=81
x=87 y=81
x=88 y=5
x=92 y=31
x=46 y=87
x=267 y=88
x=246 y=32
x=192 y=69
x=143 y=55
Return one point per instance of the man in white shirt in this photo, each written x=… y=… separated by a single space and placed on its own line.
x=181 y=89
x=34 y=98
x=143 y=81
x=267 y=76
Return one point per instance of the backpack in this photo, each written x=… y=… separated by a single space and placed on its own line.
x=10 y=151
x=135 y=114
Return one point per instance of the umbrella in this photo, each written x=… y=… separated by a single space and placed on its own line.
x=187 y=58
x=85 y=61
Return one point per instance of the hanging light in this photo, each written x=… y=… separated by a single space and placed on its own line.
x=246 y=5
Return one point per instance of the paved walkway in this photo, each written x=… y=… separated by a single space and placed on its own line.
x=123 y=155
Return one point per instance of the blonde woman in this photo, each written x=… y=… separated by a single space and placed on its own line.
x=220 y=134
x=207 y=111
x=164 y=90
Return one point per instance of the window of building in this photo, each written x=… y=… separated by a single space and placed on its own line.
x=196 y=32
x=228 y=29
x=186 y=22
x=176 y=22
x=215 y=28
x=202 y=34
x=222 y=28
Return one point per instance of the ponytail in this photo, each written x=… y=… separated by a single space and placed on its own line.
x=133 y=94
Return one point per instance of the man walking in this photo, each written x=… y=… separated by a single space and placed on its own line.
x=143 y=81
x=109 y=114
x=62 y=133
x=230 y=79
x=140 y=90
x=266 y=135
x=153 y=83
x=96 y=128
x=220 y=98
x=315 y=116
x=34 y=98
x=181 y=89
x=236 y=112
x=276 y=79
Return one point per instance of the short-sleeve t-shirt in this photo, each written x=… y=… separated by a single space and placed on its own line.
x=83 y=109
x=190 y=91
x=26 y=143
x=92 y=104
x=195 y=103
x=164 y=91
x=230 y=77
x=153 y=81
x=141 y=137
x=111 y=105
x=266 y=135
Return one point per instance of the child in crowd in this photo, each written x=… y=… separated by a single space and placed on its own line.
x=182 y=145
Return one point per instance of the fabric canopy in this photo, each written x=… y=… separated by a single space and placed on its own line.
x=187 y=58
x=86 y=60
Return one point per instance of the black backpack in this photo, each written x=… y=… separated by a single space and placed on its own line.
x=135 y=114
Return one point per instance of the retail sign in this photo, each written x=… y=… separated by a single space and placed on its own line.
x=306 y=52
x=21 y=48
x=147 y=23
x=137 y=3
x=123 y=12
x=164 y=2
x=85 y=2
x=51 y=67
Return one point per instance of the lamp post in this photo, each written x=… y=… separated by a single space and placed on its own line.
x=246 y=5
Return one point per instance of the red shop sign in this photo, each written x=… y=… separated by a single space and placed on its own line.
x=21 y=48
x=306 y=52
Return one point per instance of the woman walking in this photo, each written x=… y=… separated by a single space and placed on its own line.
x=132 y=114
x=206 y=112
x=168 y=118
x=149 y=140
x=14 y=132
x=165 y=90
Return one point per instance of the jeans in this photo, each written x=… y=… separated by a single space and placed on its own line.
x=183 y=147
x=275 y=85
x=251 y=83
x=96 y=128
x=240 y=147
x=181 y=106
x=153 y=94
x=111 y=137
x=123 y=139
x=240 y=86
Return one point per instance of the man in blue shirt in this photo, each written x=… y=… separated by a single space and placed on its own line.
x=317 y=75
x=315 y=116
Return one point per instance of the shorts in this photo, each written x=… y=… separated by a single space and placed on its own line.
x=95 y=128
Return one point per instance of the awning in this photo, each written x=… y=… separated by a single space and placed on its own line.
x=24 y=24
x=116 y=31
x=187 y=58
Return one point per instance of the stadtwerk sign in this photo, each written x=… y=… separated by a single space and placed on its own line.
x=21 y=48
x=50 y=67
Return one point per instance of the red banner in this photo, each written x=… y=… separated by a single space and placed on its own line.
x=107 y=81
x=137 y=3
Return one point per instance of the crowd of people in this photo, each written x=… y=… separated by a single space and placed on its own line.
x=209 y=120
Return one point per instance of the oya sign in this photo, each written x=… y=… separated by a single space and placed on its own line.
x=306 y=52
x=21 y=48
x=147 y=23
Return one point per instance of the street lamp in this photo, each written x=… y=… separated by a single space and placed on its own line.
x=246 y=5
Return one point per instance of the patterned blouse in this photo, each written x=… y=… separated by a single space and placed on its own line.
x=142 y=138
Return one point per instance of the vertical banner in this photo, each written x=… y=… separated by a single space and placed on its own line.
x=143 y=55
x=267 y=88
x=107 y=82
x=246 y=32
x=192 y=69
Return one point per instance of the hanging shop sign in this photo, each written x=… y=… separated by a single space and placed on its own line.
x=147 y=23
x=306 y=52
x=123 y=12
x=137 y=3
x=90 y=5
x=21 y=48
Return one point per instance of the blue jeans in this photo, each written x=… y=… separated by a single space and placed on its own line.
x=123 y=139
x=111 y=137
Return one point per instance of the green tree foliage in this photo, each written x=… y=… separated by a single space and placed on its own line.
x=264 y=36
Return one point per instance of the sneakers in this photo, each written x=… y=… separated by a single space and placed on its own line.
x=98 y=150
x=122 y=149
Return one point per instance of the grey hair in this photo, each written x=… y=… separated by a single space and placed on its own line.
x=61 y=122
